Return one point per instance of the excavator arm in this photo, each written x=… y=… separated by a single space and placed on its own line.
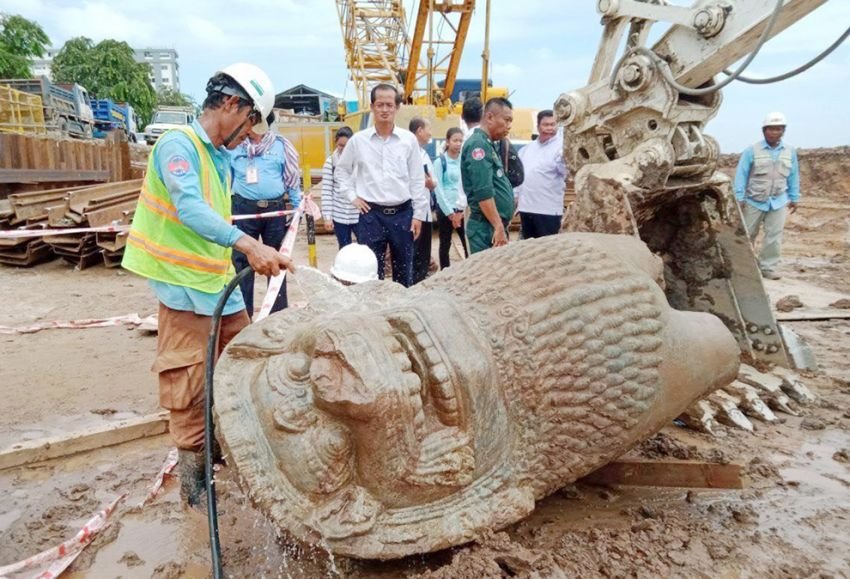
x=645 y=167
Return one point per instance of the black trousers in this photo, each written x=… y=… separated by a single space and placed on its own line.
x=538 y=225
x=271 y=231
x=422 y=253
x=446 y=229
x=384 y=226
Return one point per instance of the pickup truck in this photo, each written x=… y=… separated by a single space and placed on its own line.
x=110 y=116
x=165 y=118
x=66 y=107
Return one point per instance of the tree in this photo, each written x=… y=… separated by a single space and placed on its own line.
x=21 y=40
x=170 y=97
x=107 y=70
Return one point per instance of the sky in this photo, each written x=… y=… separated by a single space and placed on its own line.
x=537 y=51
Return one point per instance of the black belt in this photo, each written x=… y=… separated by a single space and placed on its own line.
x=390 y=209
x=262 y=203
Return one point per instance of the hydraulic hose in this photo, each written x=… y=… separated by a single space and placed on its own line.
x=802 y=68
x=209 y=372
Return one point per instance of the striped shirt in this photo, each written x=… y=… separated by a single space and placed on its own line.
x=335 y=204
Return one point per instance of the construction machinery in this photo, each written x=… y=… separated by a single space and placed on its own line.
x=644 y=166
x=379 y=50
x=112 y=116
x=20 y=112
x=423 y=63
x=65 y=107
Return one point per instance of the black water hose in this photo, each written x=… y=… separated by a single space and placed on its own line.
x=209 y=435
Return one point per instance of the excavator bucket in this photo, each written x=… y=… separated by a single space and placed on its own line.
x=695 y=226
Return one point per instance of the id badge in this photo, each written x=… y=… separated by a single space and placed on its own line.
x=252 y=176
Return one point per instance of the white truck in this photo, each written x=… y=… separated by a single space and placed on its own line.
x=165 y=118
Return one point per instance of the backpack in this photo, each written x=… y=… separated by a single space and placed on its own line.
x=511 y=162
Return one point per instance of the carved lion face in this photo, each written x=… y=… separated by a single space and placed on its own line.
x=394 y=402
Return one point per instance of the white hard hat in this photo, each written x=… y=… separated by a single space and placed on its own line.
x=258 y=88
x=774 y=120
x=355 y=263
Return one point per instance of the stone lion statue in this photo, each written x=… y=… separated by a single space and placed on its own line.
x=385 y=421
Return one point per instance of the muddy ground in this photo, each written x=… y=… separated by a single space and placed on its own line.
x=791 y=520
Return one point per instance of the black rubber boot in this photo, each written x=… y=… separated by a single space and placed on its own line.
x=192 y=488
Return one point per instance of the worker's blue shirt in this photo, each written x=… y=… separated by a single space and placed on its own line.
x=742 y=176
x=271 y=169
x=184 y=186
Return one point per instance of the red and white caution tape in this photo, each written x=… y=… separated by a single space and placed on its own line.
x=65 y=553
x=265 y=215
x=27 y=233
x=167 y=467
x=61 y=556
x=23 y=233
x=128 y=320
x=307 y=206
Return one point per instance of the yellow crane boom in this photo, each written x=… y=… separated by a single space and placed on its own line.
x=378 y=49
x=456 y=15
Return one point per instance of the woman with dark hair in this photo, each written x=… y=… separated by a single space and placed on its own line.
x=451 y=200
x=338 y=213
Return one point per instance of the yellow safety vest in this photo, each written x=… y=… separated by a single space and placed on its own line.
x=161 y=247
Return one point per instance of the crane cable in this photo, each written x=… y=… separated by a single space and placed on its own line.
x=803 y=68
x=664 y=67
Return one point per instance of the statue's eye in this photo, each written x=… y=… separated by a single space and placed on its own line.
x=298 y=367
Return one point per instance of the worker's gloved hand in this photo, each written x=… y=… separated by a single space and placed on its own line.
x=263 y=259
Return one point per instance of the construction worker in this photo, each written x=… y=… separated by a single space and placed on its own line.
x=355 y=264
x=389 y=192
x=265 y=171
x=767 y=186
x=541 y=195
x=181 y=240
x=489 y=192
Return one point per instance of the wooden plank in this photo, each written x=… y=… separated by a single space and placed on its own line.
x=50 y=175
x=668 y=473
x=85 y=440
x=813 y=315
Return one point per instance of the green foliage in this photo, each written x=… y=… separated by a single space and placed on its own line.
x=108 y=70
x=172 y=98
x=21 y=40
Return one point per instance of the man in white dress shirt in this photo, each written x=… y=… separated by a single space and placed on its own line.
x=541 y=195
x=381 y=172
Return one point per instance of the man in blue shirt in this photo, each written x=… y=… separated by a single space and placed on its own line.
x=182 y=218
x=265 y=170
x=767 y=185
